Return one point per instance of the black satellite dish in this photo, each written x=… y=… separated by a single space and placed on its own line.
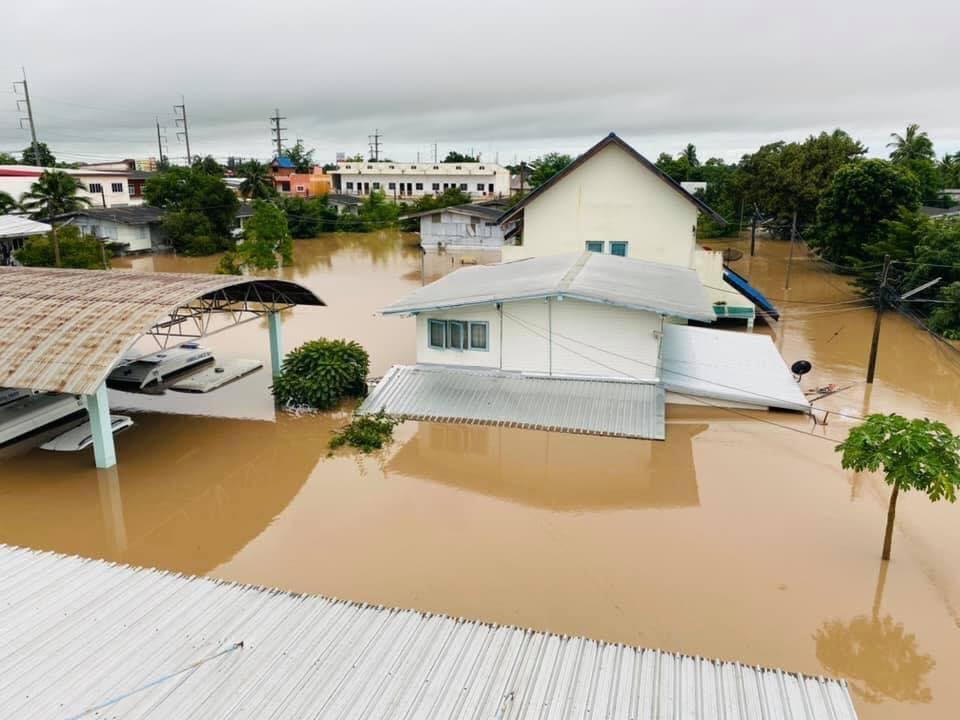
x=801 y=368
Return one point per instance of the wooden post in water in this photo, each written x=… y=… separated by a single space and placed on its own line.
x=881 y=299
x=753 y=234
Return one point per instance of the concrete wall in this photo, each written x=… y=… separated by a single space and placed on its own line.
x=709 y=267
x=432 y=181
x=588 y=339
x=458 y=230
x=17 y=186
x=611 y=197
x=137 y=238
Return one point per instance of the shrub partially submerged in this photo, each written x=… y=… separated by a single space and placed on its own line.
x=366 y=432
x=321 y=373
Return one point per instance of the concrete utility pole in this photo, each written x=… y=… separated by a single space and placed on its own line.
x=434 y=152
x=793 y=237
x=753 y=234
x=160 y=143
x=881 y=299
x=277 y=130
x=375 y=145
x=29 y=118
x=180 y=113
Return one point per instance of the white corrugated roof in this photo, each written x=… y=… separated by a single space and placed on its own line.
x=594 y=277
x=17 y=226
x=492 y=397
x=724 y=365
x=85 y=638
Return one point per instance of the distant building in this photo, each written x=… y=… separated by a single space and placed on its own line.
x=134 y=229
x=312 y=184
x=281 y=168
x=343 y=203
x=110 y=188
x=15 y=230
x=940 y=213
x=472 y=226
x=694 y=186
x=412 y=180
x=137 y=173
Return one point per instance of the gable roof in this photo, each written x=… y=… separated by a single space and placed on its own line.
x=592 y=277
x=480 y=211
x=612 y=139
x=131 y=215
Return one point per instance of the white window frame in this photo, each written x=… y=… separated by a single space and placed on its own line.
x=626 y=247
x=466 y=339
x=588 y=243
x=430 y=323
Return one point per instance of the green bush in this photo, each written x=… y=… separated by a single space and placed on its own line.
x=366 y=432
x=199 y=245
x=321 y=373
x=76 y=250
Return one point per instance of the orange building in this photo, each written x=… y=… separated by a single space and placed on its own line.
x=309 y=184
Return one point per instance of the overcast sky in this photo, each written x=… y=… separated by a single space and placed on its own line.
x=508 y=79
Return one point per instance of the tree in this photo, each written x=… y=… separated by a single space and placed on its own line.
x=189 y=232
x=454 y=157
x=266 y=235
x=851 y=211
x=192 y=190
x=7 y=203
x=945 y=319
x=300 y=157
x=257 y=181
x=377 y=213
x=308 y=217
x=208 y=165
x=52 y=195
x=43 y=156
x=321 y=373
x=7 y=159
x=919 y=454
x=76 y=250
x=545 y=167
x=949 y=169
x=912 y=145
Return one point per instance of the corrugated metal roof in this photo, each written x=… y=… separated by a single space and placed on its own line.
x=485 y=212
x=81 y=634
x=63 y=330
x=133 y=215
x=491 y=397
x=594 y=277
x=722 y=365
x=17 y=226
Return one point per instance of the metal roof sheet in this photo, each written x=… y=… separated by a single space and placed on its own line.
x=17 y=226
x=594 y=277
x=485 y=212
x=131 y=215
x=728 y=366
x=80 y=634
x=63 y=330
x=492 y=397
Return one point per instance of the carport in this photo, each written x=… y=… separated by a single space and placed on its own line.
x=65 y=330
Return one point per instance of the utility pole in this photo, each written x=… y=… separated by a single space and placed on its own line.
x=160 y=144
x=375 y=145
x=793 y=237
x=29 y=118
x=180 y=114
x=881 y=299
x=434 y=152
x=753 y=234
x=277 y=130
x=523 y=171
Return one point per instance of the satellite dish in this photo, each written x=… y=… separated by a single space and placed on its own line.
x=801 y=368
x=731 y=255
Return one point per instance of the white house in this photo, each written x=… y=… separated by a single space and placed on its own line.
x=471 y=226
x=15 y=230
x=574 y=342
x=135 y=229
x=101 y=188
x=613 y=200
x=412 y=180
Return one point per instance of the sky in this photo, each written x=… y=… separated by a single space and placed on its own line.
x=509 y=80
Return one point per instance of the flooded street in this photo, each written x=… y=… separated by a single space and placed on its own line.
x=736 y=538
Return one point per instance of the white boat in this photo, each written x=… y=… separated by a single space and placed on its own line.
x=35 y=412
x=157 y=370
x=81 y=436
x=211 y=378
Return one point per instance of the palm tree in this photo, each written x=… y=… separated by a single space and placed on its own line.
x=7 y=203
x=54 y=194
x=689 y=153
x=257 y=181
x=913 y=145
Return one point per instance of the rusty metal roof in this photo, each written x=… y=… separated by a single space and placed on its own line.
x=64 y=330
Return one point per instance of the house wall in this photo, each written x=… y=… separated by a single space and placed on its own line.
x=588 y=339
x=611 y=197
x=458 y=230
x=353 y=178
x=709 y=267
x=137 y=238
x=17 y=185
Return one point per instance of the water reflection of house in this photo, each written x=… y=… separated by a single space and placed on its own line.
x=559 y=472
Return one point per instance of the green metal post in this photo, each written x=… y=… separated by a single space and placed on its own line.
x=98 y=408
x=276 y=343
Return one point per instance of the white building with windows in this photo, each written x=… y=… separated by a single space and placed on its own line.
x=412 y=180
x=104 y=189
x=473 y=226
x=131 y=229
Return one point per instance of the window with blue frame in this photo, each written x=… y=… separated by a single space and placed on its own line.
x=594 y=246
x=618 y=248
x=458 y=335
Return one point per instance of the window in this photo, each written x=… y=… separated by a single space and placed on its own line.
x=413 y=167
x=463 y=186
x=285 y=186
x=490 y=187
x=299 y=188
x=419 y=186
x=132 y=189
x=116 y=187
x=459 y=167
x=376 y=186
x=436 y=167
x=392 y=167
x=618 y=248
x=95 y=187
x=391 y=186
x=457 y=335
x=479 y=187
x=482 y=167
x=436 y=187
x=594 y=246
x=349 y=186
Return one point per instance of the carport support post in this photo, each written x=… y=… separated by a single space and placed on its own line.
x=98 y=408
x=276 y=342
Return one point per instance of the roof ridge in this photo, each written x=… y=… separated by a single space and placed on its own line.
x=567 y=280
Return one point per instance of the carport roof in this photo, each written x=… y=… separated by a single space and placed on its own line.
x=64 y=330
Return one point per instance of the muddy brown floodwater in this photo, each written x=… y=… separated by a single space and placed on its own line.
x=734 y=538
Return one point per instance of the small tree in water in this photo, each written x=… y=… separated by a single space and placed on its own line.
x=913 y=454
x=321 y=373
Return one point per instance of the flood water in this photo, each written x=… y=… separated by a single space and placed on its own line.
x=737 y=537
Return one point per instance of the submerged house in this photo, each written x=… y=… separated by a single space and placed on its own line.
x=470 y=226
x=574 y=342
x=611 y=200
x=133 y=229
